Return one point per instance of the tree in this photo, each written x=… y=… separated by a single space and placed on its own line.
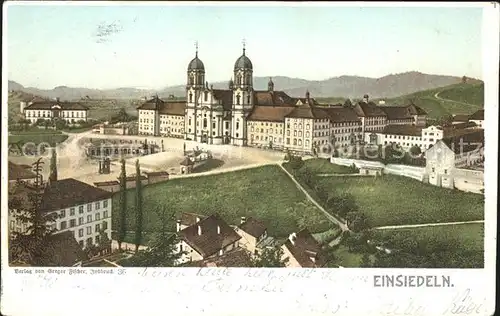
x=415 y=151
x=348 y=103
x=366 y=262
x=53 y=166
x=271 y=257
x=296 y=162
x=445 y=120
x=356 y=221
x=104 y=242
x=28 y=246
x=138 y=206
x=342 y=204
x=161 y=252
x=123 y=205
x=47 y=123
x=60 y=124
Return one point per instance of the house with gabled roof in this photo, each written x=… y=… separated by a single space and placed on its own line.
x=206 y=238
x=302 y=251
x=71 y=112
x=253 y=234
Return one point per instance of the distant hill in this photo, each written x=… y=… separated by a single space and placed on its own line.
x=344 y=86
x=461 y=98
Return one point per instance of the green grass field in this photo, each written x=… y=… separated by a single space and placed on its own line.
x=467 y=93
x=469 y=236
x=472 y=93
x=393 y=200
x=51 y=138
x=324 y=166
x=265 y=193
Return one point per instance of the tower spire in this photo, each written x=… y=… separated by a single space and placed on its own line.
x=244 y=46
x=196 y=47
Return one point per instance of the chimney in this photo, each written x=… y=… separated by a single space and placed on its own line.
x=197 y=219
x=307 y=96
x=243 y=220
x=365 y=98
x=57 y=99
x=292 y=238
x=178 y=225
x=199 y=230
x=218 y=230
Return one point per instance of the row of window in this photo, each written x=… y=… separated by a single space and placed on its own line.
x=72 y=222
x=72 y=210
x=89 y=229
x=404 y=144
x=173 y=130
x=297 y=142
x=49 y=114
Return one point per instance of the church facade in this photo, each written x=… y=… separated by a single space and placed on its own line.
x=242 y=116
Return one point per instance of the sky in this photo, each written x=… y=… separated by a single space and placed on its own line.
x=151 y=46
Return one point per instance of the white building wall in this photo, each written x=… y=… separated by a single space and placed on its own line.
x=87 y=219
x=147 y=122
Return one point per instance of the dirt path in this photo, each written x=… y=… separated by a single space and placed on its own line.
x=436 y=95
x=333 y=219
x=426 y=225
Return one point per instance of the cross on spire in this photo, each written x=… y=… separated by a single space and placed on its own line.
x=196 y=47
x=244 y=45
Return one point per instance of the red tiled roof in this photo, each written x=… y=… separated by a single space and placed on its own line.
x=409 y=130
x=253 y=227
x=270 y=113
x=238 y=258
x=368 y=109
x=465 y=142
x=273 y=98
x=47 y=105
x=210 y=241
x=70 y=192
x=303 y=248
x=307 y=111
x=397 y=112
x=341 y=114
x=188 y=219
x=173 y=108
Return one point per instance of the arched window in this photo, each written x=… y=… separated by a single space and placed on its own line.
x=238 y=97
x=190 y=97
x=206 y=96
x=248 y=99
x=294 y=142
x=204 y=123
x=191 y=79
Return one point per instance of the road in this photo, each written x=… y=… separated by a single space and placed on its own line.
x=333 y=219
x=436 y=95
x=426 y=225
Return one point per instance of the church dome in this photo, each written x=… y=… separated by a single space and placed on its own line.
x=243 y=62
x=196 y=64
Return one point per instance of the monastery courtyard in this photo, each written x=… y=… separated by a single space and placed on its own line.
x=72 y=161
